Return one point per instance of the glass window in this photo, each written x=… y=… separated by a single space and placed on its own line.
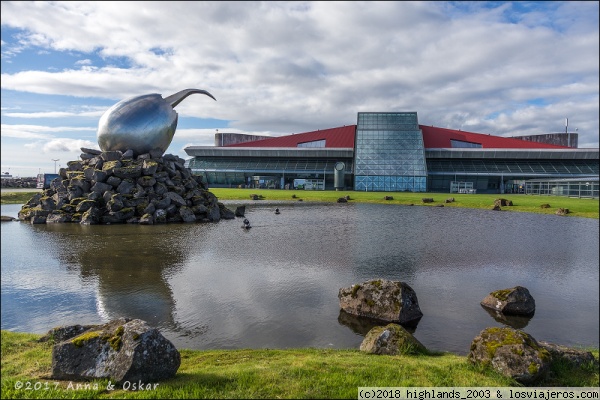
x=314 y=143
x=389 y=153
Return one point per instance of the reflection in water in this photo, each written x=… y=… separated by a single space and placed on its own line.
x=130 y=263
x=210 y=286
x=512 y=321
x=362 y=325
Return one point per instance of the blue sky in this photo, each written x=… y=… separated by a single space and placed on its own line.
x=276 y=68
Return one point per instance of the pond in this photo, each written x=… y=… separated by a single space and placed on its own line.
x=217 y=286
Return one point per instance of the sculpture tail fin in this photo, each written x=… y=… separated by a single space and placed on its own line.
x=178 y=97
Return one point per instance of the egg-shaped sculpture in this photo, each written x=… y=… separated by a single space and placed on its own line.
x=142 y=123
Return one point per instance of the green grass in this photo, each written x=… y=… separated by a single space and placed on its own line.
x=16 y=197
x=265 y=373
x=586 y=208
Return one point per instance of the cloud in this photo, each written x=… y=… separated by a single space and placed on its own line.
x=37 y=131
x=506 y=68
x=64 y=145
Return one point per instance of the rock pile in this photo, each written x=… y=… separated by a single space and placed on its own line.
x=114 y=187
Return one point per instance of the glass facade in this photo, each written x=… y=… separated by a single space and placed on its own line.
x=389 y=153
x=462 y=144
x=564 y=187
x=313 y=144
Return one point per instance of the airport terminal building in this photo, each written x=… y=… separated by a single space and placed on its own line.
x=391 y=152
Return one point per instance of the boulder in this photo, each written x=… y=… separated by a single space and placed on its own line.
x=62 y=333
x=240 y=211
x=503 y=202
x=391 y=339
x=568 y=355
x=120 y=350
x=513 y=301
x=385 y=300
x=512 y=353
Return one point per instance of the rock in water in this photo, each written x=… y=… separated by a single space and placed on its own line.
x=392 y=301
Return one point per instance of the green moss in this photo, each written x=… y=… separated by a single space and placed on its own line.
x=370 y=303
x=376 y=283
x=75 y=174
x=355 y=290
x=136 y=336
x=115 y=340
x=502 y=294
x=81 y=339
x=77 y=200
x=512 y=337
x=508 y=337
x=130 y=169
x=110 y=165
x=533 y=368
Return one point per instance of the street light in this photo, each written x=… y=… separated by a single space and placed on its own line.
x=58 y=159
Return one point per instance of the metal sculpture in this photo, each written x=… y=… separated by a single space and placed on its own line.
x=142 y=123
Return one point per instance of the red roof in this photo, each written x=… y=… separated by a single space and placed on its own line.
x=342 y=137
x=440 y=138
x=433 y=137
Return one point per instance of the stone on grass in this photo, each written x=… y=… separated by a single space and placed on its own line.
x=120 y=350
x=512 y=353
x=391 y=339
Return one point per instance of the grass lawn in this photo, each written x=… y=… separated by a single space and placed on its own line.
x=265 y=373
x=587 y=208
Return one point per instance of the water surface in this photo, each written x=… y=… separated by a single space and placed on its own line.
x=217 y=286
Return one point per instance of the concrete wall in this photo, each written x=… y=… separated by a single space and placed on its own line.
x=224 y=139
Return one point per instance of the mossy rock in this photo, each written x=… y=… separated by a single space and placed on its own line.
x=511 y=352
x=512 y=301
x=392 y=339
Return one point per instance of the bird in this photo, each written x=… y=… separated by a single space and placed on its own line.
x=277 y=211
x=246 y=224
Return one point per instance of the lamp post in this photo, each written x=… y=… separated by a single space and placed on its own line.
x=55 y=163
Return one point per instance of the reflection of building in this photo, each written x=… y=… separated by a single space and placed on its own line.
x=390 y=151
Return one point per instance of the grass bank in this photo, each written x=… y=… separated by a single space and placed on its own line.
x=264 y=373
x=586 y=208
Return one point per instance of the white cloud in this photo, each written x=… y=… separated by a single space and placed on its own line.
x=284 y=67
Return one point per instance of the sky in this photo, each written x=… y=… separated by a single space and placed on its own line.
x=278 y=68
